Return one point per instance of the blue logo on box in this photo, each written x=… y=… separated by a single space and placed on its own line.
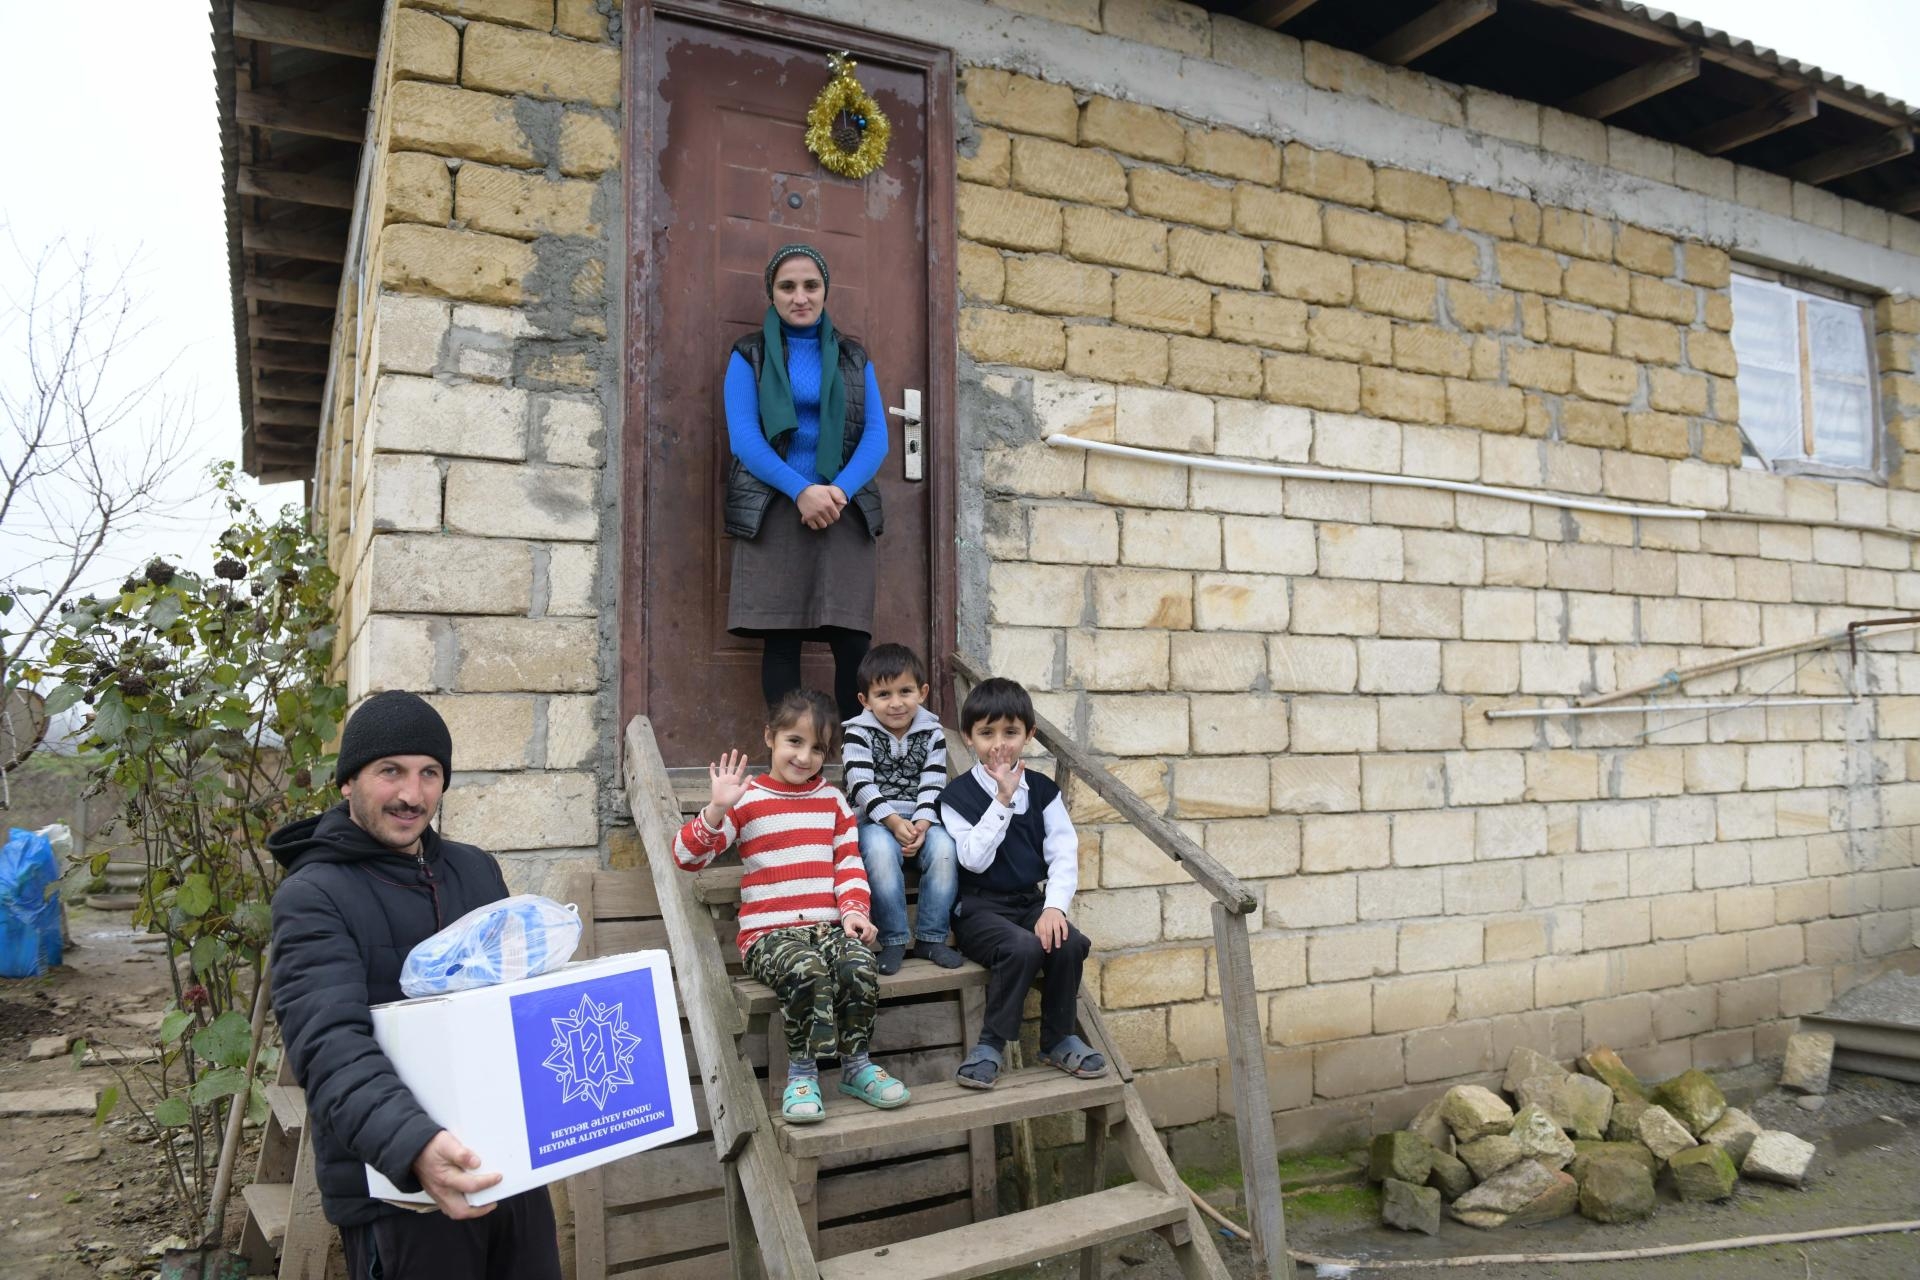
x=592 y=1074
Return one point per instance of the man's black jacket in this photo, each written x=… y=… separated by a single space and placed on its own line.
x=344 y=919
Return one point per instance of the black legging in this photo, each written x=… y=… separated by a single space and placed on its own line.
x=780 y=664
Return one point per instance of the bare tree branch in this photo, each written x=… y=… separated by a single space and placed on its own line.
x=87 y=454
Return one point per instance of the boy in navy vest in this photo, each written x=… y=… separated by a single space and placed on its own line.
x=1012 y=832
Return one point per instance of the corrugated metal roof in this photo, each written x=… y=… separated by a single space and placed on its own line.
x=1694 y=29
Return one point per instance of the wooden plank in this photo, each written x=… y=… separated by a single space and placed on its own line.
x=282 y=415
x=1096 y=1121
x=743 y=1253
x=310 y=1239
x=716 y=885
x=1430 y=30
x=983 y=1248
x=744 y=1131
x=586 y=1193
x=312 y=246
x=1253 y=1105
x=289 y=361
x=1201 y=866
x=945 y=1107
x=874 y=1233
x=1893 y=144
x=916 y=978
x=890 y=1186
x=310 y=329
x=1763 y=121
x=1645 y=81
x=1274 y=13
x=695 y=1266
x=902 y=1027
x=580 y=890
x=289 y=1105
x=617 y=937
x=300 y=293
x=313 y=119
x=268 y=1204
x=665 y=1229
x=686 y=1168
x=1907 y=201
x=1197 y=1257
x=299 y=29
x=982 y=1152
x=1090 y=1020
x=278 y=386
x=296 y=188
x=624 y=895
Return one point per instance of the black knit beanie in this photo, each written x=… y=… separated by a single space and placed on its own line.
x=786 y=251
x=393 y=723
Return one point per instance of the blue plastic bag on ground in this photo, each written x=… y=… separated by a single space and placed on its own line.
x=504 y=941
x=29 y=905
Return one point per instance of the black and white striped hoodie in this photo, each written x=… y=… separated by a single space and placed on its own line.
x=888 y=775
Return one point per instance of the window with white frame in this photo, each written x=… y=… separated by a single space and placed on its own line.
x=1806 y=382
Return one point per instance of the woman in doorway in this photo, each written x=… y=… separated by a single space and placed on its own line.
x=808 y=431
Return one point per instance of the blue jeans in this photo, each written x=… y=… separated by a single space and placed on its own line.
x=939 y=884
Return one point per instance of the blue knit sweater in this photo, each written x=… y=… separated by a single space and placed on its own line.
x=800 y=468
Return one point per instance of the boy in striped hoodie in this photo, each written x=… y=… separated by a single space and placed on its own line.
x=894 y=759
x=804 y=903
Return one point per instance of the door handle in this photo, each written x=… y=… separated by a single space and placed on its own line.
x=913 y=452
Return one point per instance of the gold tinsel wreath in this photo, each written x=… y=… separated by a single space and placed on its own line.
x=845 y=127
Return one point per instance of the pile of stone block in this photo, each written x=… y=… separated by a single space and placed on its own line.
x=1594 y=1140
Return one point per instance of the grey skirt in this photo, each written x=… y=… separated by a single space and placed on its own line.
x=792 y=578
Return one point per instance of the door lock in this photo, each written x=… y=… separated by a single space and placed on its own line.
x=913 y=451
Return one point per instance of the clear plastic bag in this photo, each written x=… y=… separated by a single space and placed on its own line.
x=504 y=941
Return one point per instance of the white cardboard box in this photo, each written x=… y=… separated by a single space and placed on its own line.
x=547 y=1077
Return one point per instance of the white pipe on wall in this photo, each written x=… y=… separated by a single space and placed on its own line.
x=1200 y=462
x=1541 y=713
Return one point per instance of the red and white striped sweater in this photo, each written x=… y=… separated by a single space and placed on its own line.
x=801 y=850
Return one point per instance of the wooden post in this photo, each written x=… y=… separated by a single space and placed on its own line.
x=1253 y=1107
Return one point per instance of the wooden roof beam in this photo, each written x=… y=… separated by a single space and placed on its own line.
x=1430 y=30
x=300 y=29
x=306 y=327
x=1907 y=201
x=314 y=246
x=282 y=386
x=282 y=415
x=1763 y=121
x=1841 y=161
x=1274 y=13
x=1647 y=81
x=299 y=293
x=272 y=111
x=297 y=188
x=306 y=361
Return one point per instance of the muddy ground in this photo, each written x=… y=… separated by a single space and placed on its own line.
x=1867 y=1170
x=76 y=1200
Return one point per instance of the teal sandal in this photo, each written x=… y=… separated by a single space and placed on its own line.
x=873 y=1086
x=801 y=1102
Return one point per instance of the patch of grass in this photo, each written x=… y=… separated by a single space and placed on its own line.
x=1335 y=1203
x=1205 y=1180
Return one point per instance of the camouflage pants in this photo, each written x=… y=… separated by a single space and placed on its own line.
x=827 y=985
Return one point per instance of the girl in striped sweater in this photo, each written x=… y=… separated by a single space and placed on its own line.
x=804 y=902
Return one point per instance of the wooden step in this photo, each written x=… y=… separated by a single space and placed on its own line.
x=289 y=1103
x=269 y=1204
x=944 y=1108
x=916 y=978
x=998 y=1244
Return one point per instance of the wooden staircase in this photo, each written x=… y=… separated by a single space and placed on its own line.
x=285 y=1234
x=906 y=1193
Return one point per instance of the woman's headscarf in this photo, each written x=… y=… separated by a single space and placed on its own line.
x=777 y=416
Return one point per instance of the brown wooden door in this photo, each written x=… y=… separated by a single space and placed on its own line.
x=719 y=178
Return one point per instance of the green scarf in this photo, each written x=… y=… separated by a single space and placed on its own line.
x=776 y=394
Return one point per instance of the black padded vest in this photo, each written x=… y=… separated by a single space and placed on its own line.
x=748 y=495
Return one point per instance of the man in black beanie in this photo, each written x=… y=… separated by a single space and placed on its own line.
x=366 y=882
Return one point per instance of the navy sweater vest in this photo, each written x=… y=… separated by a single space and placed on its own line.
x=1020 y=864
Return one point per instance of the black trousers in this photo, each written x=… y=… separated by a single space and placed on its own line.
x=997 y=932
x=780 y=664
x=517 y=1241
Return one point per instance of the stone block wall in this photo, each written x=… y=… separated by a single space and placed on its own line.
x=465 y=478
x=1298 y=671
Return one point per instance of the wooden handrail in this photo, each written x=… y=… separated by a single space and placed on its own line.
x=1201 y=866
x=1233 y=961
x=743 y=1132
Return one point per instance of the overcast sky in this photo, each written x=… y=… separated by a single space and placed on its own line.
x=111 y=139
